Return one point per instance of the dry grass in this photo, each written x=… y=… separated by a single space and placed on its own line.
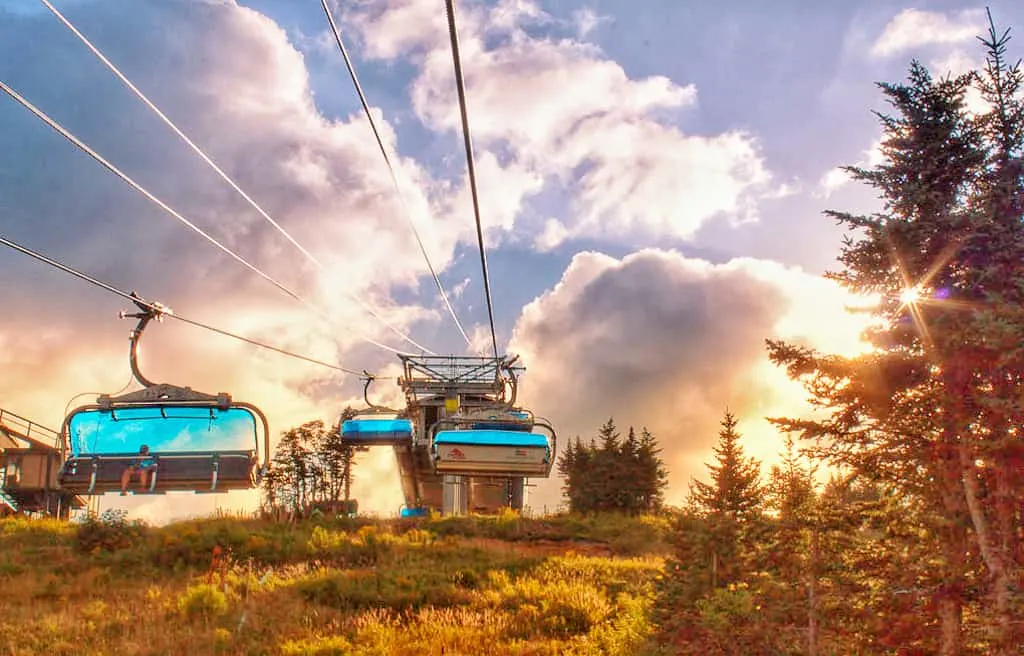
x=435 y=586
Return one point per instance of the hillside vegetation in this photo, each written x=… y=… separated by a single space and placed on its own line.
x=468 y=585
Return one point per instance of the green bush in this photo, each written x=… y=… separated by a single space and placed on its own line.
x=203 y=601
x=110 y=531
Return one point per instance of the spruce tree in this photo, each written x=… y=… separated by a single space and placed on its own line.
x=938 y=393
x=653 y=475
x=735 y=489
x=731 y=504
x=989 y=369
x=790 y=488
x=568 y=469
x=631 y=474
x=608 y=475
x=613 y=475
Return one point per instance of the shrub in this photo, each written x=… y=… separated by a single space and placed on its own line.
x=203 y=600
x=111 y=531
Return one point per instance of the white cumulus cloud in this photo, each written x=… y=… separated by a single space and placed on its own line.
x=559 y=109
x=913 y=28
x=666 y=341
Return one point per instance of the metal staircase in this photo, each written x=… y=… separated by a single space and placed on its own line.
x=30 y=457
x=7 y=501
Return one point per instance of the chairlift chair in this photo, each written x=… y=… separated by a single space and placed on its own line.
x=501 y=443
x=376 y=425
x=181 y=427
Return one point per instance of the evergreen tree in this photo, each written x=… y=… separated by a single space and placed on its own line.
x=986 y=372
x=730 y=504
x=608 y=468
x=568 y=469
x=916 y=547
x=735 y=489
x=794 y=543
x=630 y=494
x=652 y=475
x=939 y=391
x=613 y=475
x=790 y=488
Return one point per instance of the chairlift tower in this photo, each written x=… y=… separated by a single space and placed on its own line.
x=443 y=386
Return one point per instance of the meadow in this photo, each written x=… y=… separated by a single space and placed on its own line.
x=223 y=585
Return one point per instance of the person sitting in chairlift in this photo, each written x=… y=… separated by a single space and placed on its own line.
x=142 y=466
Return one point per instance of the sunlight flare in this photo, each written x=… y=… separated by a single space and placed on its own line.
x=910 y=295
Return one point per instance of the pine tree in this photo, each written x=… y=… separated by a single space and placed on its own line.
x=735 y=489
x=790 y=488
x=613 y=475
x=652 y=476
x=938 y=391
x=989 y=369
x=731 y=503
x=795 y=543
x=631 y=474
x=608 y=475
x=568 y=469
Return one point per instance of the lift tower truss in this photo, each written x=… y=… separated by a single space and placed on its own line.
x=428 y=379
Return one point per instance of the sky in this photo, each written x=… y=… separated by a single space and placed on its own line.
x=652 y=178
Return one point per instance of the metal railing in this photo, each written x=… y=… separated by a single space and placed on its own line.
x=30 y=431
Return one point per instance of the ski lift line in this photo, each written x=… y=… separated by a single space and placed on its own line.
x=391 y=169
x=137 y=187
x=216 y=168
x=461 y=88
x=163 y=310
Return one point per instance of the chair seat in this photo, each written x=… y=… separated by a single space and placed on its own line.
x=174 y=472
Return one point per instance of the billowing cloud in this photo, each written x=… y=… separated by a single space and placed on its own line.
x=666 y=341
x=558 y=108
x=913 y=28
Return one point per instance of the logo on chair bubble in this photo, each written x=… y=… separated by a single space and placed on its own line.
x=456 y=454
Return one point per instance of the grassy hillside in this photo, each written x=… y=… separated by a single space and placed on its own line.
x=468 y=585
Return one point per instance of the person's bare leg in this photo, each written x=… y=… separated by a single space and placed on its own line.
x=126 y=477
x=143 y=478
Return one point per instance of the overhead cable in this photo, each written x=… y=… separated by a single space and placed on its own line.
x=224 y=176
x=159 y=203
x=391 y=169
x=163 y=310
x=461 y=87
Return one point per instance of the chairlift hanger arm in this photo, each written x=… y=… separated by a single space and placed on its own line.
x=371 y=406
x=147 y=312
x=513 y=382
